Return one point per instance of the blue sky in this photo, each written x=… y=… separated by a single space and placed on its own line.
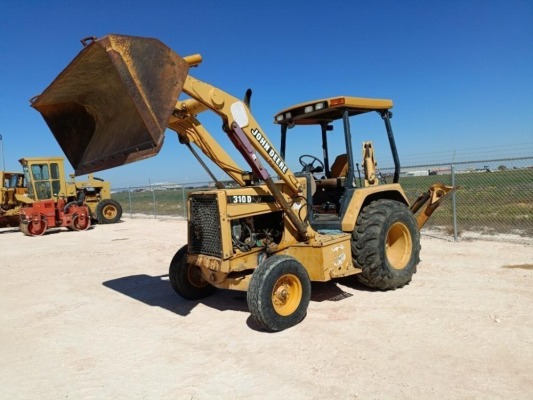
x=459 y=72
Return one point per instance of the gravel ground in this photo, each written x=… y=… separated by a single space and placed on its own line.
x=91 y=315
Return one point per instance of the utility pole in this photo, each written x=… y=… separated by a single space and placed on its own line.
x=3 y=159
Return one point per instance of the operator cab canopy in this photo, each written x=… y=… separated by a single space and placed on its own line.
x=323 y=113
x=329 y=110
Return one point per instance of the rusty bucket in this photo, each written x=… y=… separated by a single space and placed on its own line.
x=110 y=106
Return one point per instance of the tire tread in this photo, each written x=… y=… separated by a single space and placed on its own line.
x=367 y=247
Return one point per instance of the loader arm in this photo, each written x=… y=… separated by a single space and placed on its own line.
x=245 y=133
x=190 y=130
x=111 y=105
x=234 y=111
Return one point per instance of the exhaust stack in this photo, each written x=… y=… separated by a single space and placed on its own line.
x=110 y=106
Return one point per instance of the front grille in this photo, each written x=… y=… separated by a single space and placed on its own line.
x=204 y=226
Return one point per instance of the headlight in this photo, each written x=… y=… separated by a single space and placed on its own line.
x=314 y=107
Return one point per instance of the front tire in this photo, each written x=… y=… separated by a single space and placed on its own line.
x=279 y=293
x=187 y=279
x=386 y=245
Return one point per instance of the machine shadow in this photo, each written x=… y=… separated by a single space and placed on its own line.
x=333 y=290
x=156 y=291
x=7 y=230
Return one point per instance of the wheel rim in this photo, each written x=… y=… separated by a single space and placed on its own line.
x=287 y=294
x=194 y=275
x=399 y=245
x=80 y=225
x=109 y=211
x=38 y=231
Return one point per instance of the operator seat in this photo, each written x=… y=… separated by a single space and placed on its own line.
x=338 y=171
x=329 y=191
x=339 y=168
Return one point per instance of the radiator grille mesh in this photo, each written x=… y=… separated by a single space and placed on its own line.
x=204 y=226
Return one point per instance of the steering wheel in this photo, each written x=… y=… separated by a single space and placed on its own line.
x=309 y=167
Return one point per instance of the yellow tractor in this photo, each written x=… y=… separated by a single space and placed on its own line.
x=12 y=184
x=45 y=179
x=279 y=230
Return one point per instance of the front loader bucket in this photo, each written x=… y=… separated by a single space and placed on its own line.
x=110 y=106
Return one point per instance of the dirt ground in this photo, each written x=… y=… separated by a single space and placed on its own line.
x=91 y=315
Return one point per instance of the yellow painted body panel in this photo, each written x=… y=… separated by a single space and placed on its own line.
x=324 y=257
x=383 y=191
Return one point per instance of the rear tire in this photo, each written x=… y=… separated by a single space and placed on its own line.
x=108 y=211
x=386 y=245
x=187 y=280
x=279 y=293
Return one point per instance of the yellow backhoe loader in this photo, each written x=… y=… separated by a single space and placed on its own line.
x=279 y=230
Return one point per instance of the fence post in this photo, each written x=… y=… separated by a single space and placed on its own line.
x=153 y=198
x=183 y=200
x=129 y=200
x=454 y=206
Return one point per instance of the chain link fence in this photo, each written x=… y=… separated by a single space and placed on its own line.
x=494 y=199
x=157 y=200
